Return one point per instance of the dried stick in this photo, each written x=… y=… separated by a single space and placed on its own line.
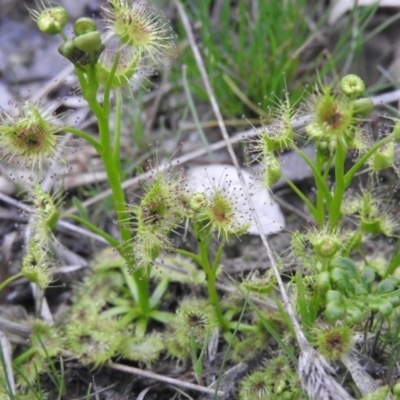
x=162 y=378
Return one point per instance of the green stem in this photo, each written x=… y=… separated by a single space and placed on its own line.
x=113 y=242
x=141 y=282
x=320 y=194
x=137 y=283
x=354 y=169
x=243 y=327
x=189 y=254
x=304 y=199
x=117 y=132
x=84 y=136
x=317 y=175
x=217 y=258
x=340 y=186
x=9 y=280
x=211 y=274
x=25 y=356
x=107 y=89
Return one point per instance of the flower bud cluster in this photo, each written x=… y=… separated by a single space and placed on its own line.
x=85 y=48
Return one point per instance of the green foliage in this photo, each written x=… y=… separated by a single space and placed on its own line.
x=113 y=307
x=252 y=44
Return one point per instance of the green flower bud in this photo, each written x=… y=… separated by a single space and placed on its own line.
x=326 y=246
x=50 y=20
x=324 y=149
x=89 y=42
x=363 y=106
x=323 y=282
x=198 y=201
x=334 y=310
x=70 y=51
x=314 y=131
x=84 y=25
x=352 y=85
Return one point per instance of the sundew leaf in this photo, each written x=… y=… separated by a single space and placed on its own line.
x=225 y=177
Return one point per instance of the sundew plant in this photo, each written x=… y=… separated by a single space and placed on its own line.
x=124 y=308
